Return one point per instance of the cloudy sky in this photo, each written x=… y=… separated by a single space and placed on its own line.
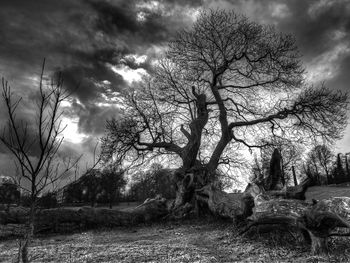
x=102 y=46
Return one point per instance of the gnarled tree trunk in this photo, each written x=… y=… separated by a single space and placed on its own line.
x=317 y=219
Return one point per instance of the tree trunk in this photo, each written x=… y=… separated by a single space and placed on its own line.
x=111 y=198
x=275 y=180
x=236 y=206
x=319 y=245
x=31 y=219
x=184 y=191
x=294 y=176
x=347 y=167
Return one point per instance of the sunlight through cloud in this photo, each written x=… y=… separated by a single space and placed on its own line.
x=71 y=132
x=130 y=75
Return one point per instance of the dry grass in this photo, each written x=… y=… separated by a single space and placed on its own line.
x=189 y=242
x=325 y=192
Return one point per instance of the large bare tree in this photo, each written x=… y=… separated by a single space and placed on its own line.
x=223 y=85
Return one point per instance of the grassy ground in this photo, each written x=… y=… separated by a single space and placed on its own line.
x=325 y=192
x=188 y=242
x=121 y=206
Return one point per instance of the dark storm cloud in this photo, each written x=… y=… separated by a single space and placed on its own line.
x=83 y=81
x=116 y=18
x=85 y=39
x=315 y=22
x=32 y=30
x=137 y=22
x=322 y=31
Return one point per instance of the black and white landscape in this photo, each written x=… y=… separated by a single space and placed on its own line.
x=174 y=131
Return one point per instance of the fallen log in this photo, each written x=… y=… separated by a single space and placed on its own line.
x=293 y=192
x=317 y=219
x=236 y=206
x=251 y=208
x=87 y=217
x=239 y=206
x=257 y=207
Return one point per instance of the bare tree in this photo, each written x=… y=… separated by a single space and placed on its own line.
x=321 y=159
x=38 y=167
x=112 y=181
x=223 y=85
x=325 y=158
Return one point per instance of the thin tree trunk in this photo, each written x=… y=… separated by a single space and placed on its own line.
x=24 y=250
x=319 y=245
x=347 y=166
x=30 y=232
x=328 y=177
x=294 y=176
x=111 y=200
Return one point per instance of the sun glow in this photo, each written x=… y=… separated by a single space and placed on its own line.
x=71 y=132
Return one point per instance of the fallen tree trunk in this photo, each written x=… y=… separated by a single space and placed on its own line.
x=252 y=208
x=87 y=217
x=317 y=219
x=236 y=206
x=256 y=207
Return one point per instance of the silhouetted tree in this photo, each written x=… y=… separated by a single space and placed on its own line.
x=275 y=180
x=320 y=159
x=148 y=184
x=73 y=193
x=222 y=84
x=92 y=186
x=339 y=175
x=290 y=158
x=347 y=167
x=48 y=200
x=9 y=194
x=112 y=181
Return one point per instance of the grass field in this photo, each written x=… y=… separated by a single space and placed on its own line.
x=325 y=192
x=188 y=242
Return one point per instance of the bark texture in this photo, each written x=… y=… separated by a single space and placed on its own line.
x=319 y=220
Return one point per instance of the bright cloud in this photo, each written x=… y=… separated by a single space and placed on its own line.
x=129 y=75
x=320 y=6
x=326 y=65
x=71 y=133
x=279 y=10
